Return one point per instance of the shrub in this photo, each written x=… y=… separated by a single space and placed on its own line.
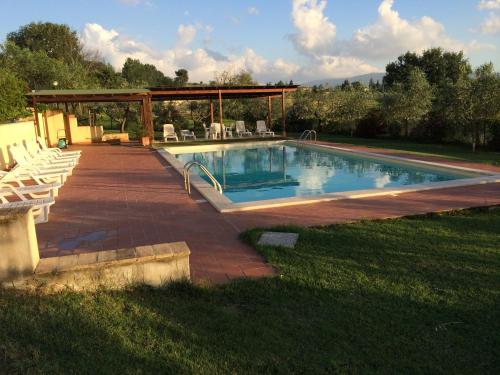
x=371 y=126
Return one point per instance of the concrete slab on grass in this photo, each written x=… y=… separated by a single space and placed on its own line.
x=279 y=239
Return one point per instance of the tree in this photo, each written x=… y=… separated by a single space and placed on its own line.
x=181 y=77
x=105 y=75
x=55 y=40
x=474 y=102
x=40 y=71
x=345 y=85
x=353 y=105
x=226 y=78
x=408 y=102
x=139 y=75
x=12 y=96
x=439 y=67
x=486 y=99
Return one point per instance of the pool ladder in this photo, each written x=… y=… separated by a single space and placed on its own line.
x=308 y=134
x=187 y=180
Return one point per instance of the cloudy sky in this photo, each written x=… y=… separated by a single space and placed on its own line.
x=273 y=39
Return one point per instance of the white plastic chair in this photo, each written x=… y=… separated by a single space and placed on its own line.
x=207 y=131
x=187 y=134
x=169 y=132
x=262 y=129
x=214 y=130
x=241 y=130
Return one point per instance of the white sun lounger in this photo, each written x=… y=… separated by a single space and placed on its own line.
x=37 y=165
x=20 y=176
x=187 y=134
x=31 y=191
x=262 y=129
x=169 y=133
x=31 y=152
x=56 y=150
x=11 y=197
x=24 y=168
x=241 y=130
x=34 y=149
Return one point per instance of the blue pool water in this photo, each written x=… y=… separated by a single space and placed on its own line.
x=283 y=171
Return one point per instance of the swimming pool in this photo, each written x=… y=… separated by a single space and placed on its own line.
x=263 y=173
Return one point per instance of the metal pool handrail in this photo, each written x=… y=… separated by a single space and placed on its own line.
x=187 y=181
x=308 y=134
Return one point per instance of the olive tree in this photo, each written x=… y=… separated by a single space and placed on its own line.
x=409 y=102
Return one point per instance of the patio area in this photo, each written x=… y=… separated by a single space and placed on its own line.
x=125 y=196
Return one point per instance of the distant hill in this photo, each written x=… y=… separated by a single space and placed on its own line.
x=364 y=78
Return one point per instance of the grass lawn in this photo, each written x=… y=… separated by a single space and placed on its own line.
x=457 y=152
x=413 y=295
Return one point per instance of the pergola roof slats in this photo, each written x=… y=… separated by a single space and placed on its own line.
x=146 y=96
x=158 y=93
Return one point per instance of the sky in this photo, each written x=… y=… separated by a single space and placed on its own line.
x=302 y=40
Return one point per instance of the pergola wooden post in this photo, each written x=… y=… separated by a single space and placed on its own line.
x=47 y=133
x=37 y=124
x=269 y=112
x=222 y=135
x=283 y=124
x=211 y=111
x=147 y=115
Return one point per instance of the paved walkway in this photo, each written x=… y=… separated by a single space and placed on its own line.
x=124 y=196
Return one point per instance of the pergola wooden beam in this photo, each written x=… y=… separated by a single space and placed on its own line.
x=146 y=96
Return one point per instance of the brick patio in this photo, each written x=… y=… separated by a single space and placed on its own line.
x=126 y=196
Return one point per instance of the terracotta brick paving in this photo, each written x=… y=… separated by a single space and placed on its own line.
x=124 y=196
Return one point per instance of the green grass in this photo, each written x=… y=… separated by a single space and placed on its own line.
x=413 y=295
x=457 y=152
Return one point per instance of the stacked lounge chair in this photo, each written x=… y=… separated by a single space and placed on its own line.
x=36 y=178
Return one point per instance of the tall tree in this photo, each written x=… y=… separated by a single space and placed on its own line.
x=40 y=71
x=407 y=103
x=439 y=67
x=56 y=40
x=181 y=77
x=139 y=75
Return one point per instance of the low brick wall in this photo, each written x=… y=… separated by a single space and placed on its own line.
x=153 y=265
x=122 y=137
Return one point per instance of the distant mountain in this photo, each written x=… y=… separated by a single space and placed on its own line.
x=364 y=78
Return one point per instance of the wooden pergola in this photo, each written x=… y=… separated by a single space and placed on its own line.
x=146 y=97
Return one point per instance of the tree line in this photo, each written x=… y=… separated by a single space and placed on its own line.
x=432 y=96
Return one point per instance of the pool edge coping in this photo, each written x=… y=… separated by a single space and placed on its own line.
x=224 y=205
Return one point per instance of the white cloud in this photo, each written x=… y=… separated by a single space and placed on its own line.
x=202 y=64
x=392 y=35
x=186 y=34
x=253 y=11
x=315 y=33
x=329 y=66
x=489 y=4
x=491 y=25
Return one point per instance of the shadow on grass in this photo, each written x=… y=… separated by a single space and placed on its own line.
x=413 y=295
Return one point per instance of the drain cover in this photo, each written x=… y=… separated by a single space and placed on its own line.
x=279 y=239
